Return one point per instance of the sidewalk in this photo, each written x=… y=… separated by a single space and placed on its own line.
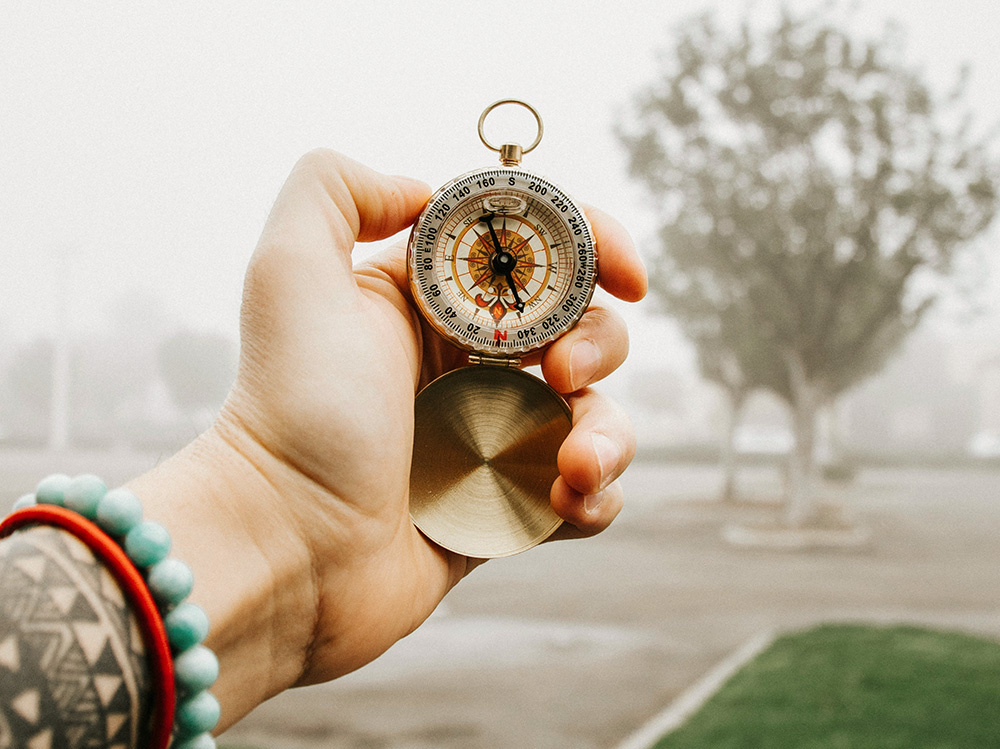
x=578 y=644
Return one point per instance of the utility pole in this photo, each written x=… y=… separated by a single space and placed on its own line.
x=59 y=407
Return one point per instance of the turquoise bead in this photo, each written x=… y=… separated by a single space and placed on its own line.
x=187 y=626
x=196 y=669
x=201 y=741
x=170 y=581
x=119 y=511
x=83 y=494
x=52 y=489
x=147 y=543
x=198 y=714
x=25 y=500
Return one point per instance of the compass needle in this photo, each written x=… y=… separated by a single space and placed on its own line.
x=486 y=437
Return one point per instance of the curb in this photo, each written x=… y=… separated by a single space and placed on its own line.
x=691 y=700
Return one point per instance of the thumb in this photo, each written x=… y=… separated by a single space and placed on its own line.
x=330 y=201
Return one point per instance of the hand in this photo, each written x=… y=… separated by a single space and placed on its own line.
x=314 y=442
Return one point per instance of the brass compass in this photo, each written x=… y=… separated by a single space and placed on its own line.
x=501 y=262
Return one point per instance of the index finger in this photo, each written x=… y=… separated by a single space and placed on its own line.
x=619 y=270
x=303 y=257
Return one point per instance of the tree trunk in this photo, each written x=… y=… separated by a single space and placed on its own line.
x=807 y=397
x=735 y=401
x=823 y=441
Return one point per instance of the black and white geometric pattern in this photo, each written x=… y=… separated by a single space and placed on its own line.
x=73 y=671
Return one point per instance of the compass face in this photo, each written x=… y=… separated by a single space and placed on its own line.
x=502 y=262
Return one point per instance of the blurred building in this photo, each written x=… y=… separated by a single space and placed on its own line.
x=930 y=400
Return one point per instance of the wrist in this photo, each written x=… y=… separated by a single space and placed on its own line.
x=252 y=568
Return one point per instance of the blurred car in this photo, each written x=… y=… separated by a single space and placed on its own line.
x=984 y=444
x=763 y=439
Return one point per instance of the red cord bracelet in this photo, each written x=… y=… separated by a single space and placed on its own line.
x=134 y=587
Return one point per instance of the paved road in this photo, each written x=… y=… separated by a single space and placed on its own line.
x=577 y=644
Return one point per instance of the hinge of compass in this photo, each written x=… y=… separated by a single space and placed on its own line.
x=495 y=361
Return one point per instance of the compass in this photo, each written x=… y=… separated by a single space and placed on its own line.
x=501 y=263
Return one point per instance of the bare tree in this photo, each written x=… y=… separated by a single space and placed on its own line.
x=807 y=181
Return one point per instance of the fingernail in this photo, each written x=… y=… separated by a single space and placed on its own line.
x=592 y=501
x=608 y=456
x=583 y=360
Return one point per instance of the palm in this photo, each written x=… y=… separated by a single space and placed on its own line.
x=346 y=401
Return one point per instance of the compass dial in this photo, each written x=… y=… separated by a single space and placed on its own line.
x=502 y=262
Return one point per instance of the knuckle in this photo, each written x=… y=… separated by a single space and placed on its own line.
x=319 y=161
x=599 y=316
x=607 y=325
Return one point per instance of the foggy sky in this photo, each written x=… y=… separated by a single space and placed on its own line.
x=141 y=146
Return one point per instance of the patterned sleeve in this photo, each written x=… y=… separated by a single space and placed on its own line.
x=73 y=670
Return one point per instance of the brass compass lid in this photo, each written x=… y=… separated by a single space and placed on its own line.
x=484 y=460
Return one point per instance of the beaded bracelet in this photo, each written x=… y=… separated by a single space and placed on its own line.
x=135 y=553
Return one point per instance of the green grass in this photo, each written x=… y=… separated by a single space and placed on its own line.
x=856 y=687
